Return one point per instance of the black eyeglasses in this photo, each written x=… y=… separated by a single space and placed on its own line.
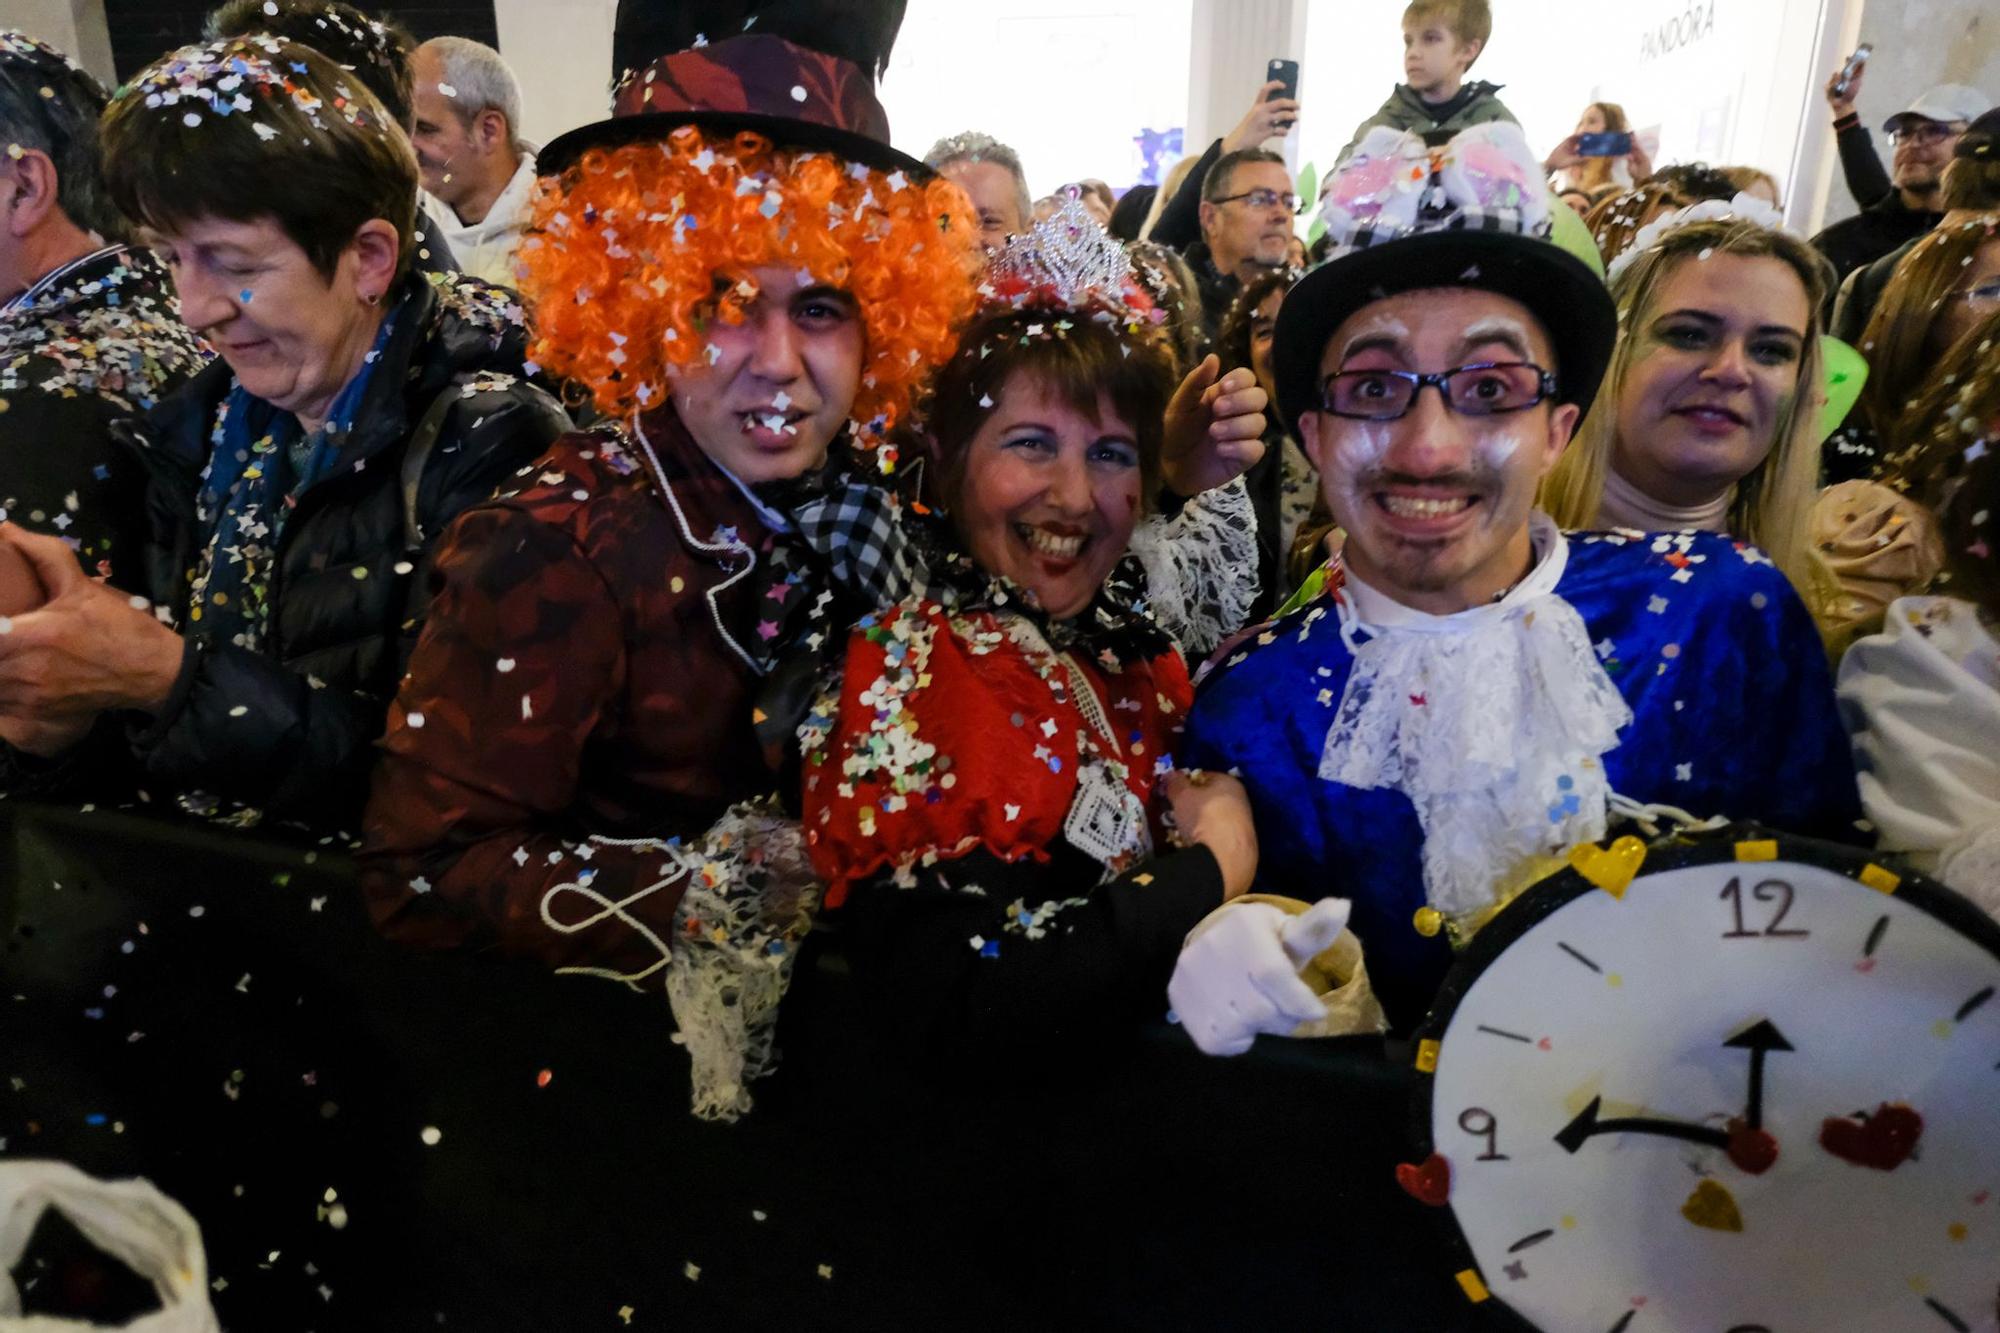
x=1485 y=389
x=1263 y=198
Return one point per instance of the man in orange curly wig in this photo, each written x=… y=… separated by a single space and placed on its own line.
x=750 y=285
x=743 y=277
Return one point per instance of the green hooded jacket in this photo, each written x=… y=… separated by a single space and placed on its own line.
x=1475 y=104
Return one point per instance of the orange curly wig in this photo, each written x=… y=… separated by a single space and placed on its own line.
x=636 y=247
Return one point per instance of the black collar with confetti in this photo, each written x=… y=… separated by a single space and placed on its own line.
x=1115 y=629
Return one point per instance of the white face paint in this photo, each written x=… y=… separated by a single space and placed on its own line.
x=1362 y=446
x=1382 y=325
x=1436 y=504
x=1497 y=446
x=1496 y=326
x=1499 y=442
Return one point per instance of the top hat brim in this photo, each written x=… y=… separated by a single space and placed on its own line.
x=565 y=151
x=1571 y=302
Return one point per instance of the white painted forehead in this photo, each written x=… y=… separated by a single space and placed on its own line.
x=1379 y=324
x=1495 y=325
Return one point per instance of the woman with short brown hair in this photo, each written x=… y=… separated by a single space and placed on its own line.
x=293 y=488
x=988 y=784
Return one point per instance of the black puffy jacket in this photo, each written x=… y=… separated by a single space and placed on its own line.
x=290 y=730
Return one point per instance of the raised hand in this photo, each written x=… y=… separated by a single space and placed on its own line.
x=1214 y=428
x=1843 y=103
x=1263 y=121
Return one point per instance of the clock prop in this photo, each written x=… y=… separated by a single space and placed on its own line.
x=1734 y=1084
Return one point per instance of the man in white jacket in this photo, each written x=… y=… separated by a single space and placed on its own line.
x=474 y=161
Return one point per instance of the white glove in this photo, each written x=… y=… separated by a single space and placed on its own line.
x=1238 y=973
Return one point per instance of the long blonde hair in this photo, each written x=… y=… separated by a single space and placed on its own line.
x=1773 y=504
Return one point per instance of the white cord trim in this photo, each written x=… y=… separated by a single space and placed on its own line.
x=687 y=534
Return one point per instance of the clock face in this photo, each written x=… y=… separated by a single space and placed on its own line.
x=1747 y=1094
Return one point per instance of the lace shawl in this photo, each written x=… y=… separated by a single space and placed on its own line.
x=1201 y=567
x=747 y=904
x=1493 y=722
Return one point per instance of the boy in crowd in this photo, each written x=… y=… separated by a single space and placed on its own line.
x=1441 y=40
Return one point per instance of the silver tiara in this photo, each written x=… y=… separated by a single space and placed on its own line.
x=1064 y=262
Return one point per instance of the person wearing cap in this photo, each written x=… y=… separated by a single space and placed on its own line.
x=1898 y=208
x=293 y=488
x=1475 y=692
x=89 y=330
x=1970 y=184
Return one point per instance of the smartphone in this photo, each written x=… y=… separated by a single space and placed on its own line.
x=1852 y=68
x=1287 y=73
x=1603 y=145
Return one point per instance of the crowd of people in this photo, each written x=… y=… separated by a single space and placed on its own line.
x=716 y=521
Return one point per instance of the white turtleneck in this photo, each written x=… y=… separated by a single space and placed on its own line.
x=1626 y=506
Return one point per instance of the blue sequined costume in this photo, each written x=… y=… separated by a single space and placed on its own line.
x=1733 y=714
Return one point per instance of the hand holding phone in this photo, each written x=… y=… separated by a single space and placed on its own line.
x=1284 y=72
x=1273 y=113
x=1841 y=90
x=1603 y=145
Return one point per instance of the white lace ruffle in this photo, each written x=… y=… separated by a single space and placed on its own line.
x=1201 y=567
x=750 y=900
x=1493 y=722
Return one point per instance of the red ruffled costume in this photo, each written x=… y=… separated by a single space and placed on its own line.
x=956 y=732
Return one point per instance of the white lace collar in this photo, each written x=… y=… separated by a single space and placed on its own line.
x=1376 y=610
x=1494 y=722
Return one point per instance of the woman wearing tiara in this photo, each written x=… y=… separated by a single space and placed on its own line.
x=989 y=792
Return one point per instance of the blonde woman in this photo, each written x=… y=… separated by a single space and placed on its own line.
x=1709 y=414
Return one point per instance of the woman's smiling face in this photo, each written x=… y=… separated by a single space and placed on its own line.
x=1048 y=496
x=1715 y=369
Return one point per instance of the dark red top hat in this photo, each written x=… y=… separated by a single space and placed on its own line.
x=759 y=81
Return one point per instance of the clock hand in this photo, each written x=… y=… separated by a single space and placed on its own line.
x=1760 y=1040
x=1587 y=1126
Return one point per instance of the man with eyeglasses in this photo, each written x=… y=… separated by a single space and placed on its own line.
x=1247 y=207
x=1900 y=206
x=1473 y=692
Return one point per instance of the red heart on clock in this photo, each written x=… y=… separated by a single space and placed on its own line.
x=1752 y=1150
x=1883 y=1141
x=1428 y=1183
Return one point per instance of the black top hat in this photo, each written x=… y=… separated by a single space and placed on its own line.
x=780 y=77
x=1472 y=214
